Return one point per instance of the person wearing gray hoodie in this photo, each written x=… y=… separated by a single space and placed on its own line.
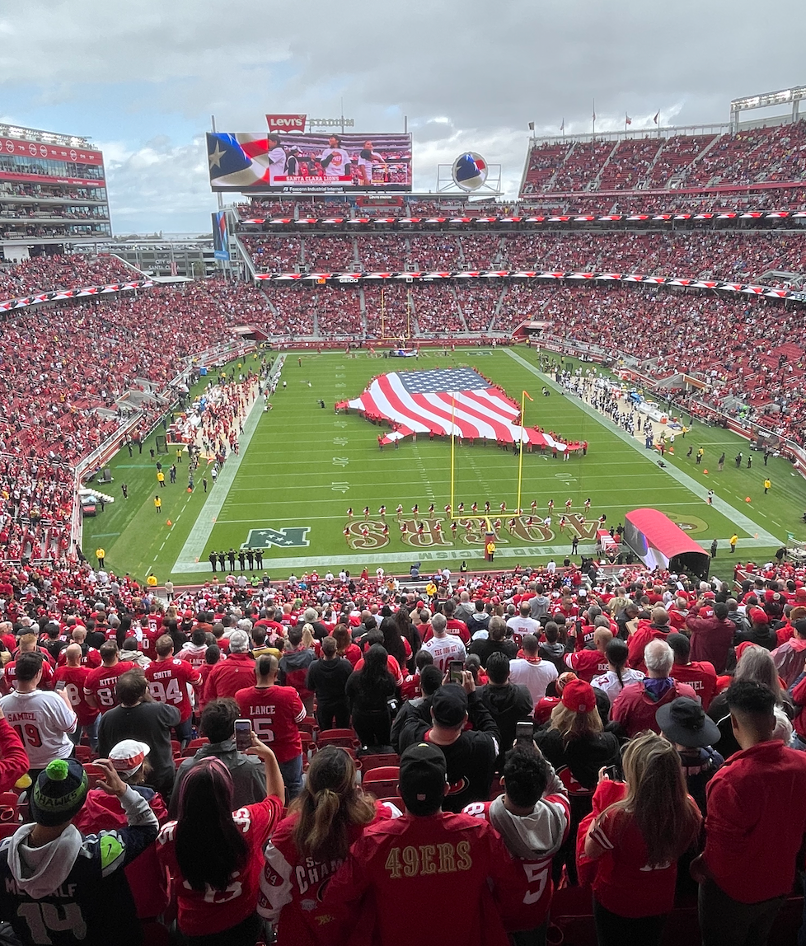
x=60 y=887
x=532 y=817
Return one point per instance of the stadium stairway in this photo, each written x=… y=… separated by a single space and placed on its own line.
x=598 y=178
x=690 y=167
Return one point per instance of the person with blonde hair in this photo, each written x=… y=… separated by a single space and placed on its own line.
x=641 y=827
x=323 y=822
x=577 y=746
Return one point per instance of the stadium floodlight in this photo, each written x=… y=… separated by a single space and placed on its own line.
x=767 y=99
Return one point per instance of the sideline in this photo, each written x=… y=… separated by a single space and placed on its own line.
x=202 y=529
x=730 y=512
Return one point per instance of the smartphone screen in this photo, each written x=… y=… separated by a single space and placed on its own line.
x=525 y=731
x=61 y=684
x=243 y=734
x=455 y=668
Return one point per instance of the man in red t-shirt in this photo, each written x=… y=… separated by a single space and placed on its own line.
x=28 y=644
x=698 y=674
x=168 y=681
x=99 y=689
x=72 y=678
x=275 y=712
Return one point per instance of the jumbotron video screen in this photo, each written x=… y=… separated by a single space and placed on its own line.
x=277 y=161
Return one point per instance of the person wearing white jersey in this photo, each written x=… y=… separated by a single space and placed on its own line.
x=443 y=646
x=522 y=624
x=365 y=160
x=276 y=158
x=334 y=159
x=531 y=671
x=43 y=719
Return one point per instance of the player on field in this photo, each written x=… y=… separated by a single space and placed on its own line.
x=350 y=512
x=382 y=512
x=568 y=504
x=366 y=513
x=399 y=510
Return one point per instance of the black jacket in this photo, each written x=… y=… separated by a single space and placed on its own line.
x=328 y=679
x=470 y=760
x=508 y=705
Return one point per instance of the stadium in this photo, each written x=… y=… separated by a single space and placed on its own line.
x=355 y=400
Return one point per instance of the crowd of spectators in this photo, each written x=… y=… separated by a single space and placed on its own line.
x=478 y=304
x=338 y=312
x=654 y=703
x=46 y=273
x=753 y=156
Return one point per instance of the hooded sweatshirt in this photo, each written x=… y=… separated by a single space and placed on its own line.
x=532 y=840
x=73 y=889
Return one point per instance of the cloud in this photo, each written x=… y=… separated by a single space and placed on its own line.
x=146 y=77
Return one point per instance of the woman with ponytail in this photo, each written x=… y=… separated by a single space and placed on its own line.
x=641 y=828
x=618 y=675
x=211 y=857
x=308 y=846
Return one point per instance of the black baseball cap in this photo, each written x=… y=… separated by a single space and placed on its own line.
x=449 y=705
x=422 y=779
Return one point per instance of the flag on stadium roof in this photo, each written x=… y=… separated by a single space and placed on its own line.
x=445 y=400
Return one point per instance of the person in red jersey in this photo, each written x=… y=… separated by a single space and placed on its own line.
x=754 y=828
x=309 y=846
x=13 y=757
x=533 y=818
x=72 y=677
x=426 y=856
x=698 y=674
x=212 y=856
x=28 y=645
x=168 y=681
x=275 y=713
x=636 y=705
x=640 y=829
x=233 y=674
x=588 y=664
x=99 y=690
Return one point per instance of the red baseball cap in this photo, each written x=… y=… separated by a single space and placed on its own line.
x=578 y=696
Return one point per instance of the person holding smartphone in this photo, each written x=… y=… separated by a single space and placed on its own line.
x=211 y=857
x=640 y=829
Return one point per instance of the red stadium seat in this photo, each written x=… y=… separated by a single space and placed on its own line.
x=346 y=738
x=381 y=781
x=377 y=760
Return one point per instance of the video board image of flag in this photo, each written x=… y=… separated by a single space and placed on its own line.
x=442 y=401
x=289 y=162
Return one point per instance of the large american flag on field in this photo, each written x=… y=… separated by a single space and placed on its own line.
x=445 y=401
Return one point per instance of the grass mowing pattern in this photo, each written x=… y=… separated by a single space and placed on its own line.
x=305 y=466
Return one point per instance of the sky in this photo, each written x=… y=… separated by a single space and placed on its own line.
x=143 y=79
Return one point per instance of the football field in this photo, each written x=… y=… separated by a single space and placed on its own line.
x=300 y=468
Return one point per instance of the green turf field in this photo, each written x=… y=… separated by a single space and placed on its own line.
x=301 y=467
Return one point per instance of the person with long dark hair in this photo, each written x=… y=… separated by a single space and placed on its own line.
x=323 y=822
x=211 y=857
x=395 y=645
x=647 y=822
x=618 y=674
x=368 y=693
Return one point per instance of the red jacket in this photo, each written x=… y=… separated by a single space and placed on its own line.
x=756 y=821
x=646 y=632
x=711 y=639
x=228 y=676
x=635 y=709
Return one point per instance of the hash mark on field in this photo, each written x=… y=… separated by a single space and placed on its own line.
x=429 y=490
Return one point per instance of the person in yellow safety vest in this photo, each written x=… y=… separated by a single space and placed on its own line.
x=733 y=540
x=151 y=581
x=100 y=554
x=490 y=550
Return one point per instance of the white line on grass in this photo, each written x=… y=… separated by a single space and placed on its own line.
x=203 y=527
x=730 y=512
